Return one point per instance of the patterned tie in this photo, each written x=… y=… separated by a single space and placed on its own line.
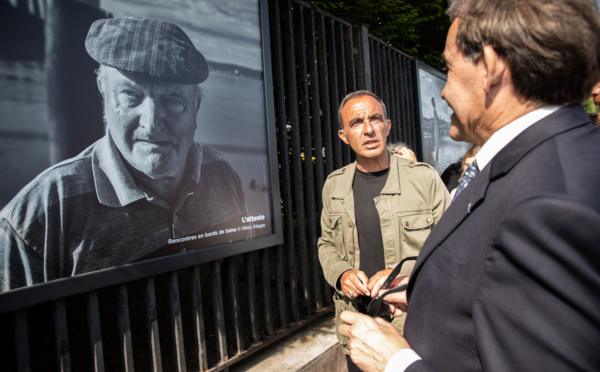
x=470 y=173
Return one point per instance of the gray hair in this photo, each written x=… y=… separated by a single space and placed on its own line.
x=398 y=144
x=356 y=94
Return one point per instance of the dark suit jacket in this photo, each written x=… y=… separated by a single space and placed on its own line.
x=509 y=280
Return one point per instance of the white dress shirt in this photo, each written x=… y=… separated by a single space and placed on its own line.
x=400 y=361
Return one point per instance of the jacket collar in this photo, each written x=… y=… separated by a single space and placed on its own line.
x=392 y=184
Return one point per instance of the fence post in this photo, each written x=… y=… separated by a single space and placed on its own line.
x=364 y=58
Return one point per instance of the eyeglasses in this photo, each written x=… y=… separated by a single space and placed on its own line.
x=376 y=306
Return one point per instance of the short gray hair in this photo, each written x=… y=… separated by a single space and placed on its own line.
x=356 y=94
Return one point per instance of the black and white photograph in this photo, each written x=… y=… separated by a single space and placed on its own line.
x=129 y=130
x=439 y=150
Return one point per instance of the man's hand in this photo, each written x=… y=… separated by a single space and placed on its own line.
x=377 y=280
x=398 y=302
x=371 y=341
x=354 y=283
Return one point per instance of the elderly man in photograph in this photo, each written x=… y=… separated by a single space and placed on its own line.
x=145 y=188
x=509 y=279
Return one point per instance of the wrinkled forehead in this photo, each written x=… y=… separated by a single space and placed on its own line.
x=119 y=78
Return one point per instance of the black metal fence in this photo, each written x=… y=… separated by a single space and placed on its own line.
x=209 y=316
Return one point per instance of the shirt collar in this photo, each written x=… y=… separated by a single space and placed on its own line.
x=115 y=187
x=502 y=137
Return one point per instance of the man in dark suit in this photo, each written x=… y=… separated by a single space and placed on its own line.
x=509 y=280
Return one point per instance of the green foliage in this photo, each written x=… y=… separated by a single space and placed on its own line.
x=417 y=27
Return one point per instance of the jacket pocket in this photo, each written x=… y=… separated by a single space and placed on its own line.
x=414 y=230
x=341 y=304
x=337 y=232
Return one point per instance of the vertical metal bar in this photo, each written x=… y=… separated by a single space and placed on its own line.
x=266 y=289
x=411 y=96
x=286 y=189
x=198 y=318
x=176 y=324
x=296 y=162
x=21 y=335
x=374 y=61
x=351 y=58
x=343 y=80
x=409 y=91
x=365 y=57
x=152 y=326
x=63 y=353
x=324 y=140
x=405 y=105
x=397 y=97
x=386 y=74
x=373 y=73
x=329 y=126
x=393 y=100
x=314 y=131
x=249 y=264
x=125 y=329
x=403 y=100
x=316 y=109
x=380 y=68
x=406 y=94
x=218 y=310
x=308 y=79
x=280 y=285
x=233 y=303
x=95 y=332
x=385 y=94
x=333 y=91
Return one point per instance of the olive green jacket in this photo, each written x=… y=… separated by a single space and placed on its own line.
x=410 y=204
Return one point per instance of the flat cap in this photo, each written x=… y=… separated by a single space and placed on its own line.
x=148 y=46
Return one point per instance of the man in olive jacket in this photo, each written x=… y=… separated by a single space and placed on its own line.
x=377 y=210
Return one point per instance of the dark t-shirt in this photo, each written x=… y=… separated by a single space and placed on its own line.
x=366 y=187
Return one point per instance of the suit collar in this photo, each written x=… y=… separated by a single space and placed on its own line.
x=565 y=119
x=560 y=121
x=503 y=136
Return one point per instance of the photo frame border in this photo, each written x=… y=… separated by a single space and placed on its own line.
x=418 y=64
x=59 y=288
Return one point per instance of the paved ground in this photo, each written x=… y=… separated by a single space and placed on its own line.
x=312 y=349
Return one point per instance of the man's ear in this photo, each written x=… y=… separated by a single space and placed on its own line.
x=342 y=136
x=198 y=96
x=100 y=84
x=388 y=123
x=495 y=67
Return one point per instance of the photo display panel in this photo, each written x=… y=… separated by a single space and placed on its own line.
x=439 y=150
x=133 y=131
